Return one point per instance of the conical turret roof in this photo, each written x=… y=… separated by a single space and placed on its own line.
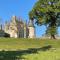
x=31 y=24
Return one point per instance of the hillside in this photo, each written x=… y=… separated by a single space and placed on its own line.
x=29 y=49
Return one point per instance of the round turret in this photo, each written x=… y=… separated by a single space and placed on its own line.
x=31 y=28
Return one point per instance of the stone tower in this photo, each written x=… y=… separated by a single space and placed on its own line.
x=12 y=27
x=31 y=28
x=26 y=31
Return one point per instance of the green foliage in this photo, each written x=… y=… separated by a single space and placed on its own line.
x=51 y=31
x=46 y=12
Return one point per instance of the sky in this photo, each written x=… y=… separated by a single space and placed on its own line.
x=21 y=9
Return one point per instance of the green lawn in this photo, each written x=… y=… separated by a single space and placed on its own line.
x=29 y=49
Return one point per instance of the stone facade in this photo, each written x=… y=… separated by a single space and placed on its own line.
x=31 y=29
x=19 y=29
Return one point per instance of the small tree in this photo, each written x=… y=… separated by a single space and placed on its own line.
x=47 y=12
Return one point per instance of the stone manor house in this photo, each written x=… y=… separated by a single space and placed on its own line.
x=18 y=29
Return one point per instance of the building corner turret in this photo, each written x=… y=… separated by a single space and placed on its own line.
x=31 y=28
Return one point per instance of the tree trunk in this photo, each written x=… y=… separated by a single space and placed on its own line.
x=53 y=36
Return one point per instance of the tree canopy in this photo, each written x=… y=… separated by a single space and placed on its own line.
x=47 y=12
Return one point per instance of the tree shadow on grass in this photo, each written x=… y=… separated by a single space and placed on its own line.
x=17 y=55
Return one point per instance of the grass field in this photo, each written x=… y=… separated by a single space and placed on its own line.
x=29 y=49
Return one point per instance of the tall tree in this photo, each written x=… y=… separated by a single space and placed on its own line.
x=47 y=12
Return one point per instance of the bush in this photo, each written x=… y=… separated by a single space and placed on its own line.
x=7 y=35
